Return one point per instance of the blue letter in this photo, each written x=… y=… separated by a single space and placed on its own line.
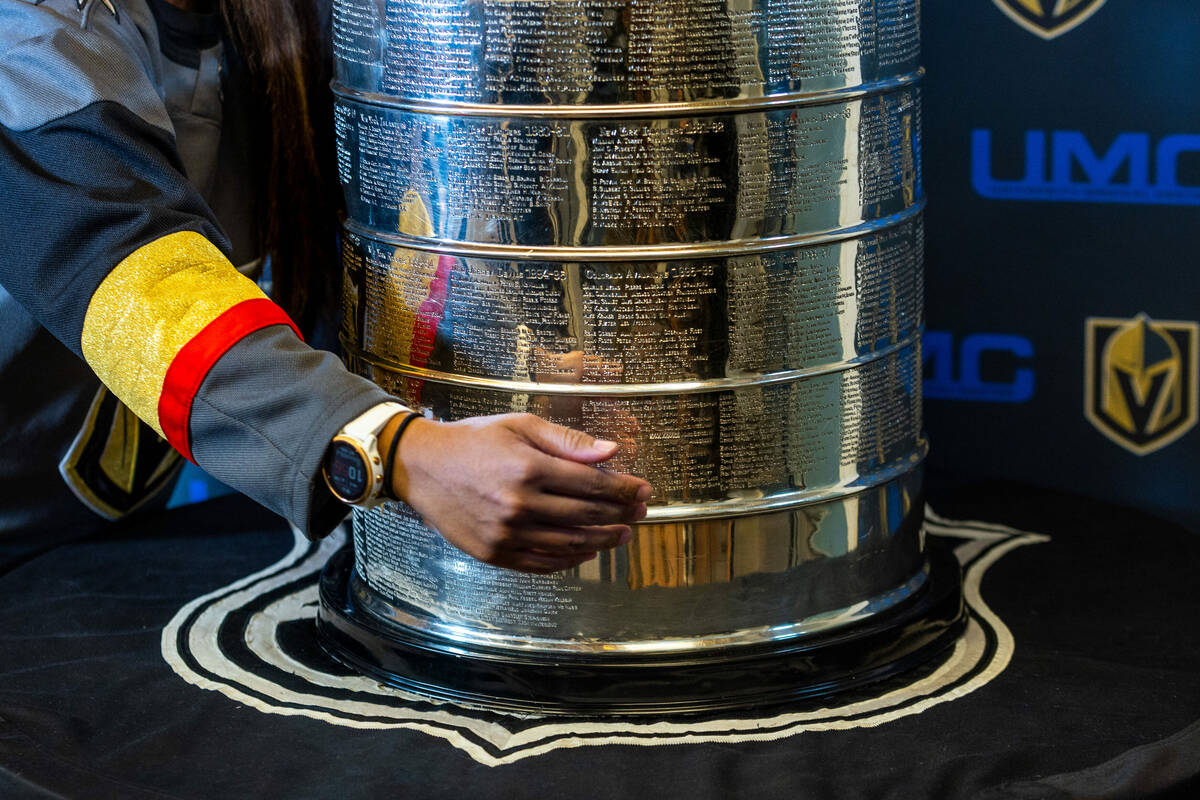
x=981 y=167
x=1071 y=146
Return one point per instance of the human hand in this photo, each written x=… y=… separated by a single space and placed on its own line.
x=576 y=366
x=517 y=491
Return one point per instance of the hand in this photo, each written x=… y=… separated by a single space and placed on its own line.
x=516 y=491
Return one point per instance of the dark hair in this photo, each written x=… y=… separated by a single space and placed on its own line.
x=283 y=46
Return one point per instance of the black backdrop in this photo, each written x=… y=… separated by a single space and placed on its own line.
x=1049 y=151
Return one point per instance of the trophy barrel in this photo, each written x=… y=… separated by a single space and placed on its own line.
x=693 y=228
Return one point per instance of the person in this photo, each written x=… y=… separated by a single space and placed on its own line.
x=147 y=146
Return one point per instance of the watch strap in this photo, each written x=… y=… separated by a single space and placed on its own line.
x=373 y=420
x=392 y=448
x=364 y=431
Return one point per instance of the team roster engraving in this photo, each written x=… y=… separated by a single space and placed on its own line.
x=640 y=181
x=612 y=51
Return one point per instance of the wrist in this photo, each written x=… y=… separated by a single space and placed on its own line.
x=354 y=465
x=404 y=466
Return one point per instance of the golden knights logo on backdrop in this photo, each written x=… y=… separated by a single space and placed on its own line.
x=1049 y=18
x=1140 y=380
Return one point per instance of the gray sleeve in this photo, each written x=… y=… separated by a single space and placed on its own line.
x=57 y=58
x=264 y=417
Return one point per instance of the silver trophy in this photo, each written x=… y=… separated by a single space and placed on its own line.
x=689 y=226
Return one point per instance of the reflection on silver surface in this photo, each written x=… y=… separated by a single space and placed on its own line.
x=741 y=318
x=539 y=181
x=690 y=226
x=763 y=443
x=615 y=52
x=677 y=586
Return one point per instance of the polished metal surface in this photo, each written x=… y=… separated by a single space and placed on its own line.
x=765 y=444
x=690 y=226
x=616 y=52
x=693 y=180
x=679 y=586
x=664 y=326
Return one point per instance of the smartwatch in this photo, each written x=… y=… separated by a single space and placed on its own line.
x=353 y=468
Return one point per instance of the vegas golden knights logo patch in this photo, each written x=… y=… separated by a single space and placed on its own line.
x=117 y=462
x=1049 y=18
x=1140 y=380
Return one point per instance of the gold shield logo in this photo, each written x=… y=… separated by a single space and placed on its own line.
x=1049 y=18
x=1141 y=380
x=117 y=462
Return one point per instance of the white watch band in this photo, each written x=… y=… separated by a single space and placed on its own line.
x=363 y=431
x=373 y=420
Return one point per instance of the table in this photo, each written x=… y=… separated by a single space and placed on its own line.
x=172 y=657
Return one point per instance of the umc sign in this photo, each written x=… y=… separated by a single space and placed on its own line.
x=1062 y=166
x=957 y=372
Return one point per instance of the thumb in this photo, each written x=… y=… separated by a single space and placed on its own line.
x=563 y=442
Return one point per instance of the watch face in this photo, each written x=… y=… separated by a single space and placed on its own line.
x=347 y=472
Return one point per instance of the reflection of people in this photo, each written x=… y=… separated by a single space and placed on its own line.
x=109 y=253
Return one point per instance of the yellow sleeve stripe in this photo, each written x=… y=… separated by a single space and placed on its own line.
x=151 y=305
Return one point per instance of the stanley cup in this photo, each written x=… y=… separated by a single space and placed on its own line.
x=689 y=226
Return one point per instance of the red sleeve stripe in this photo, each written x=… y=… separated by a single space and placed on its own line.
x=194 y=360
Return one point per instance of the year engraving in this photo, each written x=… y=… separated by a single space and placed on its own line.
x=644 y=173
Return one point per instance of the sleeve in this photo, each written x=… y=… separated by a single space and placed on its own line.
x=106 y=243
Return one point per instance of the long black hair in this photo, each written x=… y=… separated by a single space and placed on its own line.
x=285 y=48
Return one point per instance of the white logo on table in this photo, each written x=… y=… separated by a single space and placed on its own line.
x=254 y=641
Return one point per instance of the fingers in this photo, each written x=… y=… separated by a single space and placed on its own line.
x=564 y=442
x=527 y=498
x=580 y=480
x=573 y=541
x=544 y=549
x=560 y=511
x=541 y=563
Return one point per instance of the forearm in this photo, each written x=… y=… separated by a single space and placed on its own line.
x=264 y=416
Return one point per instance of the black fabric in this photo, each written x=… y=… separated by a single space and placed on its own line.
x=45 y=395
x=183 y=34
x=1100 y=700
x=80 y=194
x=1166 y=768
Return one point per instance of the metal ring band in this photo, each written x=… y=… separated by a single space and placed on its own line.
x=454 y=636
x=626 y=389
x=653 y=252
x=784 y=501
x=632 y=110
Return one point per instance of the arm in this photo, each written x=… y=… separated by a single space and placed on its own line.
x=106 y=243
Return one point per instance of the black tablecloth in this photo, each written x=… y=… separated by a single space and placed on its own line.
x=1082 y=679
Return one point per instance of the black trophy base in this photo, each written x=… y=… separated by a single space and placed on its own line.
x=888 y=643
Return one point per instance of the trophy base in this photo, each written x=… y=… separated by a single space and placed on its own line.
x=884 y=645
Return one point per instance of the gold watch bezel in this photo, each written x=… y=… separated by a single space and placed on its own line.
x=374 y=482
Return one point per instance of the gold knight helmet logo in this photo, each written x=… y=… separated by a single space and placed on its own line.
x=1141 y=380
x=1049 y=18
